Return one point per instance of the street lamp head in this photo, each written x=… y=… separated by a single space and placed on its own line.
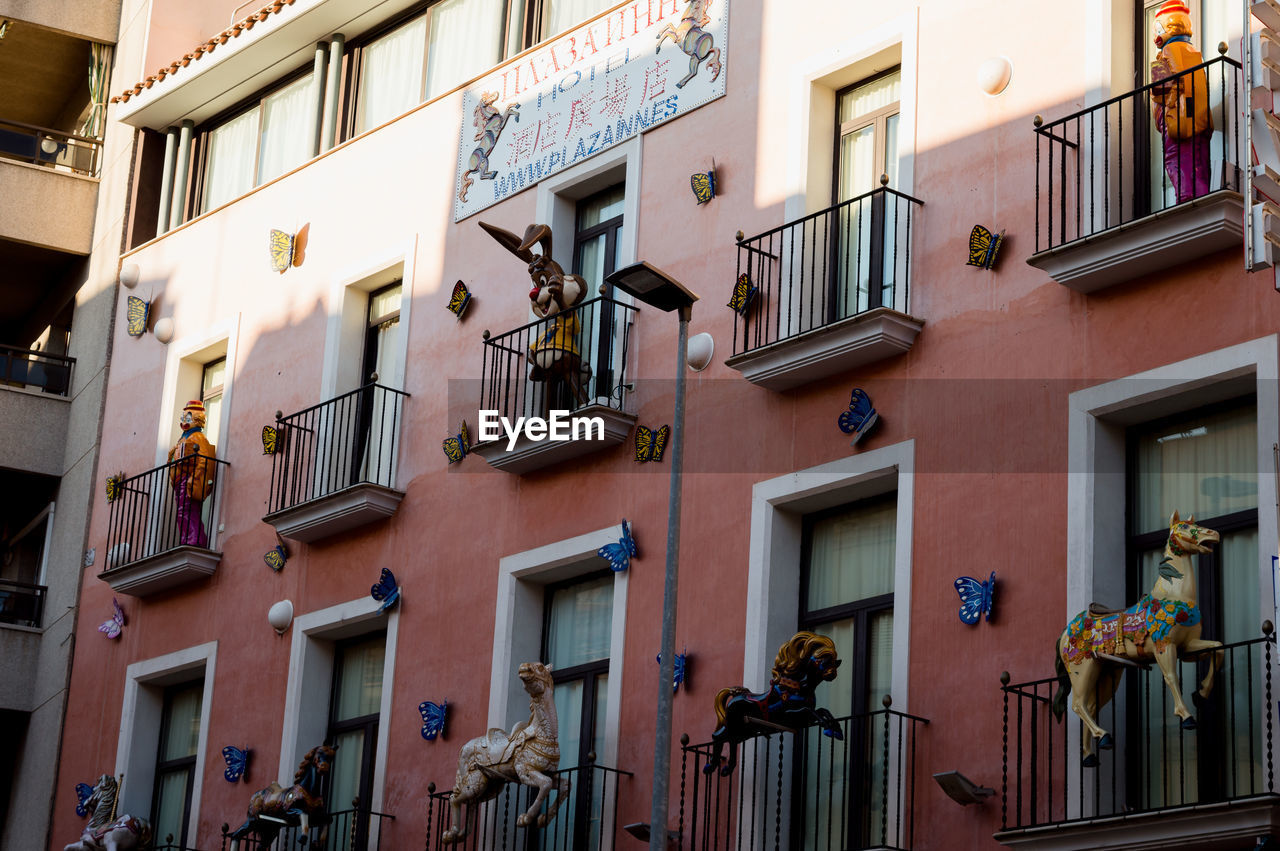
x=652 y=286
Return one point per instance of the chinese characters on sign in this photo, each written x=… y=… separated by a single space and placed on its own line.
x=587 y=90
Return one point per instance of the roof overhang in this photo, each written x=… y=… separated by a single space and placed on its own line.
x=250 y=61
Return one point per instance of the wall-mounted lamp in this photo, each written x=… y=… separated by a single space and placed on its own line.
x=130 y=275
x=163 y=329
x=994 y=75
x=701 y=348
x=961 y=789
x=280 y=616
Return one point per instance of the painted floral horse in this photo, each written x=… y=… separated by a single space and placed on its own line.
x=802 y=664
x=1164 y=623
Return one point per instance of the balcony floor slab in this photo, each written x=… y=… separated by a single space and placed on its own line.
x=160 y=572
x=527 y=455
x=336 y=512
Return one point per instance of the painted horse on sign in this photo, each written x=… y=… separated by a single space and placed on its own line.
x=1096 y=646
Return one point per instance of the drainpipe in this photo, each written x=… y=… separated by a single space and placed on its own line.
x=318 y=74
x=180 y=179
x=1246 y=63
x=166 y=179
x=331 y=92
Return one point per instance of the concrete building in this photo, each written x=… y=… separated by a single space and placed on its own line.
x=57 y=289
x=309 y=178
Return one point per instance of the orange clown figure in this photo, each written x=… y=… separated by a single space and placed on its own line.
x=192 y=475
x=1181 y=104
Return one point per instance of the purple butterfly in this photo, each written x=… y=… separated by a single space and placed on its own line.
x=111 y=628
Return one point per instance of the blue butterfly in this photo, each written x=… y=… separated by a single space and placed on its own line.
x=679 y=670
x=619 y=555
x=860 y=417
x=976 y=598
x=386 y=590
x=83 y=791
x=237 y=763
x=433 y=718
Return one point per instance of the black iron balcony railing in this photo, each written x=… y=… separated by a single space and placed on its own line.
x=830 y=265
x=30 y=368
x=1129 y=157
x=42 y=146
x=566 y=362
x=356 y=829
x=161 y=510
x=346 y=441
x=21 y=603
x=1154 y=765
x=586 y=820
x=805 y=790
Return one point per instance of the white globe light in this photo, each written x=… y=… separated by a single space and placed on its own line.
x=994 y=75
x=280 y=616
x=164 y=329
x=701 y=348
x=129 y=275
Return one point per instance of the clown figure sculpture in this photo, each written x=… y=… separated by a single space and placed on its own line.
x=192 y=475
x=1181 y=105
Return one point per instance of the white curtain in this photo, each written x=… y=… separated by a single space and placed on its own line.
x=566 y=13
x=580 y=623
x=288 y=129
x=851 y=555
x=391 y=76
x=231 y=152
x=465 y=39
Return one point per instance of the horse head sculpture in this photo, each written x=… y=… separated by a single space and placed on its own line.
x=802 y=664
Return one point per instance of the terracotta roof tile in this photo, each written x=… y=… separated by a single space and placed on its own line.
x=207 y=47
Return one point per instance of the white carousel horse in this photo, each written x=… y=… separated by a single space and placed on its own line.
x=105 y=832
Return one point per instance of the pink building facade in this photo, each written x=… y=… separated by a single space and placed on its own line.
x=1039 y=420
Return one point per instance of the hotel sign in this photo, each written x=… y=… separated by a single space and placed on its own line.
x=612 y=78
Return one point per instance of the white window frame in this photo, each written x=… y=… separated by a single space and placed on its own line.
x=140 y=718
x=518 y=623
x=310 y=685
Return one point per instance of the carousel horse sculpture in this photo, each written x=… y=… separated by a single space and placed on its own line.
x=302 y=800
x=802 y=663
x=105 y=832
x=1164 y=624
x=691 y=38
x=527 y=756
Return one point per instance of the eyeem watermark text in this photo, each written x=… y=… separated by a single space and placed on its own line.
x=560 y=426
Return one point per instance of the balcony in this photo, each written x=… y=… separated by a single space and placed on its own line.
x=581 y=370
x=585 y=822
x=158 y=538
x=1107 y=209
x=30 y=369
x=1161 y=785
x=804 y=790
x=831 y=292
x=336 y=468
x=356 y=829
x=48 y=179
x=21 y=603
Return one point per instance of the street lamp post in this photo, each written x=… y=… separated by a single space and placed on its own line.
x=657 y=289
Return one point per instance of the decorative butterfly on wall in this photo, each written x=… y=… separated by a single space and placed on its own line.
x=83 y=791
x=237 y=764
x=983 y=247
x=651 y=443
x=111 y=628
x=679 y=670
x=976 y=598
x=433 y=718
x=278 y=556
x=703 y=184
x=860 y=418
x=386 y=590
x=619 y=555
x=455 y=448
x=272 y=439
x=460 y=299
x=287 y=249
x=115 y=487
x=744 y=294
x=139 y=312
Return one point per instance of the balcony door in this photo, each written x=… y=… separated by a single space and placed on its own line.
x=866 y=148
x=354 y=713
x=595 y=257
x=375 y=410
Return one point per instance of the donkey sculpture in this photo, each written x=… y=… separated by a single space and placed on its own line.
x=1162 y=625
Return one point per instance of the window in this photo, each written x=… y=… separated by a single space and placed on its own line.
x=595 y=257
x=1202 y=464
x=211 y=381
x=576 y=643
x=846 y=578
x=544 y=19
x=261 y=143
x=354 y=709
x=176 y=760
